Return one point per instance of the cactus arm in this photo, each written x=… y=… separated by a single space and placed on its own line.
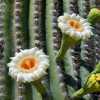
x=83 y=13
x=96 y=31
x=97 y=49
x=3 y=56
x=70 y=72
x=8 y=50
x=86 y=48
x=32 y=13
x=31 y=24
x=53 y=73
x=24 y=22
x=19 y=40
x=36 y=34
x=70 y=6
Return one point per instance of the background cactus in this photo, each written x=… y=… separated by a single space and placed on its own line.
x=29 y=23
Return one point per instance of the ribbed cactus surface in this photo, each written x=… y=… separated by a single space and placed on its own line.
x=28 y=23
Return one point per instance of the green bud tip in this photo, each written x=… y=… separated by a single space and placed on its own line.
x=92 y=85
x=94 y=15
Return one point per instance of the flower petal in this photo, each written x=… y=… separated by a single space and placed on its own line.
x=25 y=75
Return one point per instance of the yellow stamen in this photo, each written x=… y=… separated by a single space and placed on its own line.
x=28 y=63
x=75 y=24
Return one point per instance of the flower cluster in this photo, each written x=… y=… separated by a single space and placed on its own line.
x=30 y=65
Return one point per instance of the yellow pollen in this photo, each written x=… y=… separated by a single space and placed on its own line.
x=28 y=63
x=75 y=24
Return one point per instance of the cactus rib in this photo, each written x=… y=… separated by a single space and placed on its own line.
x=71 y=6
x=87 y=48
x=53 y=72
x=19 y=35
x=37 y=33
x=97 y=47
x=3 y=88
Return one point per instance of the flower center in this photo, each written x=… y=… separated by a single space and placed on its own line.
x=28 y=63
x=75 y=24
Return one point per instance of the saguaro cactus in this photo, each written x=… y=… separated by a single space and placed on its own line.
x=26 y=24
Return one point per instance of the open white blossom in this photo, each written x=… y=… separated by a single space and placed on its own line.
x=74 y=26
x=28 y=65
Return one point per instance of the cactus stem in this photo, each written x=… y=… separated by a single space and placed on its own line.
x=79 y=93
x=66 y=43
x=40 y=87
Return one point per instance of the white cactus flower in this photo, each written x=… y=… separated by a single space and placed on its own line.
x=74 y=26
x=28 y=65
